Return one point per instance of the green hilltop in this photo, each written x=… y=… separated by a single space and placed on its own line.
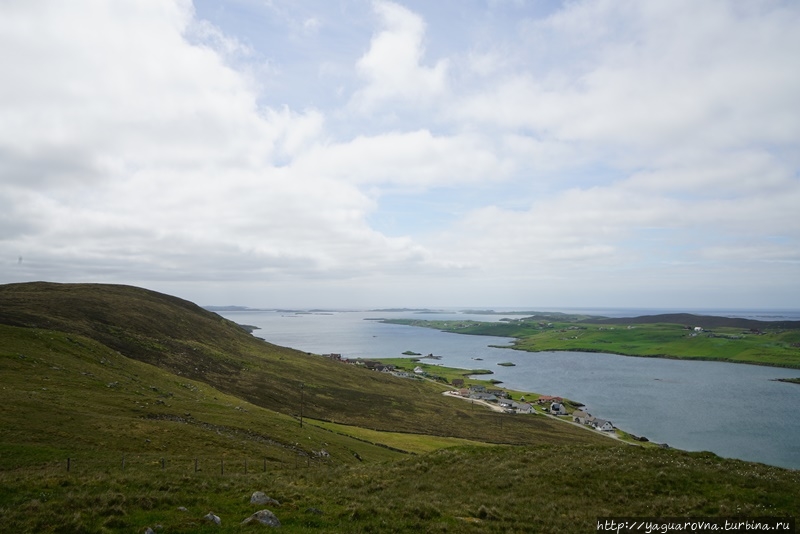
x=124 y=409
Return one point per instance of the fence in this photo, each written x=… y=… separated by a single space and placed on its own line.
x=187 y=464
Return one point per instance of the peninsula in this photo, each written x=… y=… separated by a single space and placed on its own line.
x=680 y=336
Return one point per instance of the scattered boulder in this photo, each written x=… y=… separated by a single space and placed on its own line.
x=182 y=509
x=149 y=530
x=315 y=511
x=213 y=518
x=259 y=497
x=264 y=517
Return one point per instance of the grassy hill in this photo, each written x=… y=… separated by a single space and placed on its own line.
x=188 y=342
x=154 y=404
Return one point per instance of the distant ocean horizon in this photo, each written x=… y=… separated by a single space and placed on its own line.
x=758 y=314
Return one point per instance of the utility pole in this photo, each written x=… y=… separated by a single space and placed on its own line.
x=302 y=401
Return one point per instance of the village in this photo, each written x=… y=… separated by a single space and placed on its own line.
x=494 y=398
x=544 y=404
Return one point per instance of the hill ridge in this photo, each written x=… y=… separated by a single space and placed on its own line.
x=706 y=321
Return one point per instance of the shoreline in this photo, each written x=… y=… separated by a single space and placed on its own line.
x=658 y=356
x=470 y=374
x=498 y=409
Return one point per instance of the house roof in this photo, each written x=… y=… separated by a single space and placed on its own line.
x=549 y=398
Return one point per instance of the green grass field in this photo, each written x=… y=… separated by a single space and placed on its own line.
x=550 y=489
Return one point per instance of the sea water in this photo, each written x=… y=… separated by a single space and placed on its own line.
x=733 y=410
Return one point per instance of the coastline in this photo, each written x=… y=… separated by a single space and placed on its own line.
x=498 y=409
x=469 y=379
x=659 y=356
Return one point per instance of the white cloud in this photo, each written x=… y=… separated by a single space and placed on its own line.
x=151 y=153
x=415 y=159
x=651 y=74
x=392 y=67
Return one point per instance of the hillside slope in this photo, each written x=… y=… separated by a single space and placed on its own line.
x=67 y=396
x=192 y=343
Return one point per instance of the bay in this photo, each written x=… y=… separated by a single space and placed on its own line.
x=733 y=410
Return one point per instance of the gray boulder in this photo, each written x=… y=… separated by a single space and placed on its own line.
x=264 y=517
x=213 y=518
x=259 y=497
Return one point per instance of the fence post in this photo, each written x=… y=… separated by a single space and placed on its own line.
x=162 y=464
x=68 y=462
x=265 y=465
x=195 y=465
x=222 y=467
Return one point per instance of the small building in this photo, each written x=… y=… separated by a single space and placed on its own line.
x=521 y=407
x=584 y=418
x=483 y=396
x=458 y=382
x=547 y=399
x=602 y=424
x=558 y=409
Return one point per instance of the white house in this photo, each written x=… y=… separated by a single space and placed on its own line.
x=521 y=407
x=602 y=424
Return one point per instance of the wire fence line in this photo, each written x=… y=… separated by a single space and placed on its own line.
x=187 y=464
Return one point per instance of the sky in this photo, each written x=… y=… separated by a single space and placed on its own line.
x=376 y=153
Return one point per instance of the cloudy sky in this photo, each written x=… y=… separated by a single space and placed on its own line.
x=359 y=153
